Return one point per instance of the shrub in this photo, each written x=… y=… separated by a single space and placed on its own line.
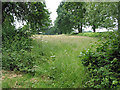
x=18 y=60
x=16 y=49
x=96 y=34
x=103 y=63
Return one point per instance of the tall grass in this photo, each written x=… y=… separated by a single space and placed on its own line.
x=63 y=65
x=57 y=64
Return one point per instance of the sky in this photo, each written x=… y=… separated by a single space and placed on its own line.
x=52 y=6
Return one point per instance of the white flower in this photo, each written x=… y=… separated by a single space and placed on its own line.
x=52 y=56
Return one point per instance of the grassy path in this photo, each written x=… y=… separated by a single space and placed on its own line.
x=58 y=65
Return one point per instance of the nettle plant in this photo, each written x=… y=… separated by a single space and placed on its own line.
x=103 y=63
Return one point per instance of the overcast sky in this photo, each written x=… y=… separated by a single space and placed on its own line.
x=52 y=6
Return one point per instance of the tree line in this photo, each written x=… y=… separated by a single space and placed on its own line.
x=76 y=15
x=71 y=15
x=34 y=14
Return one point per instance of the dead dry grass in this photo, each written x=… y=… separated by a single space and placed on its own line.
x=58 y=36
x=62 y=38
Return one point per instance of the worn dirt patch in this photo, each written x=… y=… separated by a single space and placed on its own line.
x=10 y=74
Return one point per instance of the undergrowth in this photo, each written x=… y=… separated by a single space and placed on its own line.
x=96 y=34
x=103 y=64
x=16 y=47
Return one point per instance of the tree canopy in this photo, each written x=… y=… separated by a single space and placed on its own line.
x=76 y=15
x=34 y=14
x=101 y=14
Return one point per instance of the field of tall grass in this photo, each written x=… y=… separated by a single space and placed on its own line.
x=57 y=63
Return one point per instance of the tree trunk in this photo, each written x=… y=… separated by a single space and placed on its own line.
x=94 y=28
x=80 y=28
x=60 y=32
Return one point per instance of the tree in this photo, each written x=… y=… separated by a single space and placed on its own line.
x=34 y=13
x=63 y=22
x=70 y=15
x=76 y=11
x=78 y=14
x=101 y=14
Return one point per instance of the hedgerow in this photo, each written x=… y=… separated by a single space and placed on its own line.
x=102 y=62
x=96 y=34
x=16 y=47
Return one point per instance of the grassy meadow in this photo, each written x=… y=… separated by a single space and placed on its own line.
x=57 y=66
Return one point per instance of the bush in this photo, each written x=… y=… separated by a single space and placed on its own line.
x=103 y=63
x=96 y=34
x=18 y=60
x=16 y=49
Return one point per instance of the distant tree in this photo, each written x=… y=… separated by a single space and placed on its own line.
x=78 y=14
x=63 y=22
x=70 y=15
x=76 y=11
x=101 y=14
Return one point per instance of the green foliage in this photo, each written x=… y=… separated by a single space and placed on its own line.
x=17 y=43
x=70 y=15
x=96 y=34
x=18 y=60
x=63 y=24
x=16 y=48
x=101 y=14
x=28 y=12
x=103 y=63
x=76 y=11
x=51 y=31
x=119 y=20
x=12 y=37
x=79 y=14
x=58 y=63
